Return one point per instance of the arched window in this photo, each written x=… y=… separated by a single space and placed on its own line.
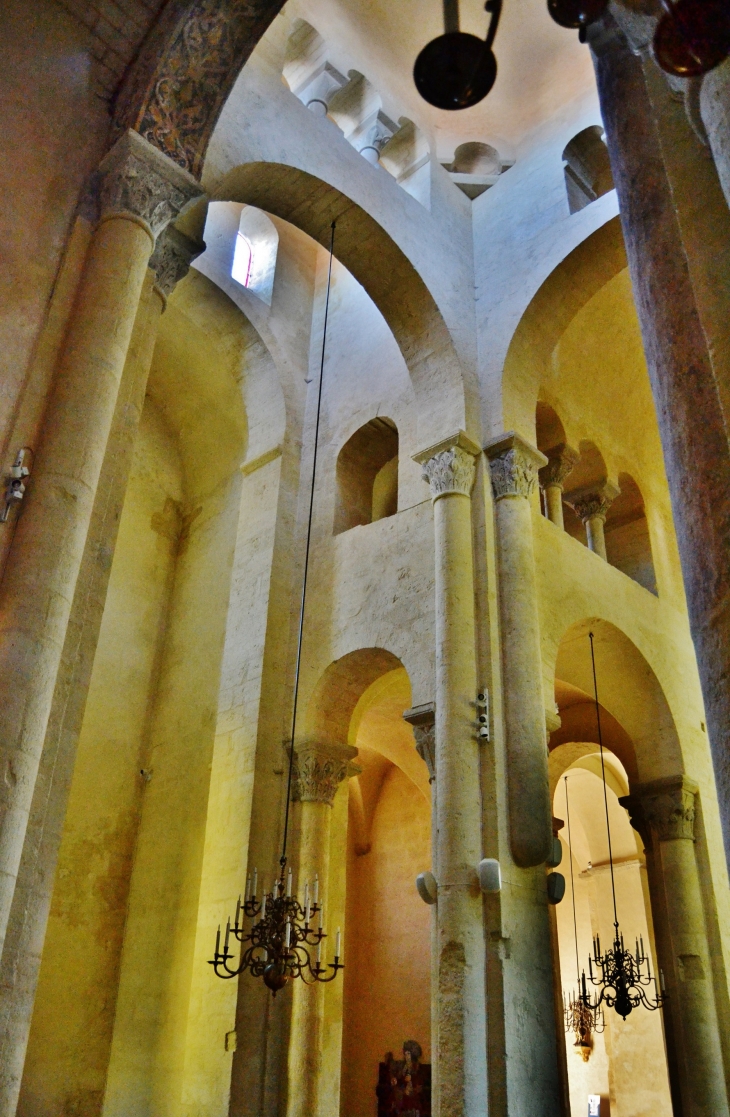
x=242 y=260
x=587 y=168
x=254 y=254
x=367 y=476
x=628 y=546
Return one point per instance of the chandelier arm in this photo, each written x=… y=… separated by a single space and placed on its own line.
x=300 y=633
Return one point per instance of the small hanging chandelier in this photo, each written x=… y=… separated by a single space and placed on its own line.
x=579 y=1015
x=623 y=978
x=282 y=940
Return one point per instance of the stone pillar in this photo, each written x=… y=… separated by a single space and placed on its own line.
x=422 y=719
x=21 y=959
x=140 y=192
x=319 y=769
x=592 y=505
x=663 y=812
x=678 y=304
x=561 y=461
x=460 y=1043
x=514 y=466
x=715 y=112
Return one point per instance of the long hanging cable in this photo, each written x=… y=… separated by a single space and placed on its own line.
x=282 y=860
x=572 y=883
x=603 y=774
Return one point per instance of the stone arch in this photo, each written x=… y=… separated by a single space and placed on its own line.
x=567 y=289
x=340 y=688
x=367 y=475
x=445 y=402
x=639 y=726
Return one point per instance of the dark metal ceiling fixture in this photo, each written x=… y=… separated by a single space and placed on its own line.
x=579 y=1016
x=283 y=942
x=693 y=36
x=623 y=978
x=457 y=70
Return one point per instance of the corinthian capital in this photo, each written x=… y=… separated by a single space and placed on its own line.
x=663 y=810
x=319 y=769
x=513 y=464
x=561 y=461
x=449 y=465
x=593 y=501
x=171 y=259
x=137 y=181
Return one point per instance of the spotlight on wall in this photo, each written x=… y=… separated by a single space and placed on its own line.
x=428 y=888
x=490 y=875
x=457 y=70
x=577 y=14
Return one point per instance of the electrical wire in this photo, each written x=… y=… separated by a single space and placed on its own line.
x=282 y=859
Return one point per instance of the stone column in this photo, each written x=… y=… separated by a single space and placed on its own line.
x=140 y=192
x=592 y=505
x=561 y=461
x=319 y=769
x=449 y=468
x=514 y=465
x=422 y=719
x=680 y=289
x=663 y=812
x=21 y=959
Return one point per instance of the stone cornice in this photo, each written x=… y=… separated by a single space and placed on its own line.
x=138 y=182
x=513 y=465
x=423 y=721
x=319 y=769
x=449 y=465
x=663 y=810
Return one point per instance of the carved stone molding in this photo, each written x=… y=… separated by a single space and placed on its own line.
x=513 y=465
x=663 y=810
x=561 y=461
x=593 y=502
x=138 y=181
x=449 y=466
x=171 y=259
x=423 y=720
x=319 y=769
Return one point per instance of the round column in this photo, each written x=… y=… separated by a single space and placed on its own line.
x=140 y=192
x=561 y=461
x=319 y=769
x=514 y=465
x=592 y=506
x=663 y=812
x=460 y=1045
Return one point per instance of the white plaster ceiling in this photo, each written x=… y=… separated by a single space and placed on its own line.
x=542 y=68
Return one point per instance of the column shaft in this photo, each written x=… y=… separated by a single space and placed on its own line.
x=308 y=1000
x=687 y=387
x=514 y=473
x=554 y=500
x=664 y=813
x=595 y=536
x=461 y=1045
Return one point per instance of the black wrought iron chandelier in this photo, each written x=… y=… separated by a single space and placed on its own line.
x=282 y=943
x=624 y=980
x=457 y=70
x=581 y=1018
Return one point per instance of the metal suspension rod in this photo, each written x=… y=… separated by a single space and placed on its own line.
x=282 y=860
x=603 y=774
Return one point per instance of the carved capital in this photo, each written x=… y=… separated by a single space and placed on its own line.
x=593 y=501
x=449 y=466
x=423 y=720
x=319 y=769
x=171 y=259
x=138 y=181
x=561 y=461
x=514 y=465
x=663 y=810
